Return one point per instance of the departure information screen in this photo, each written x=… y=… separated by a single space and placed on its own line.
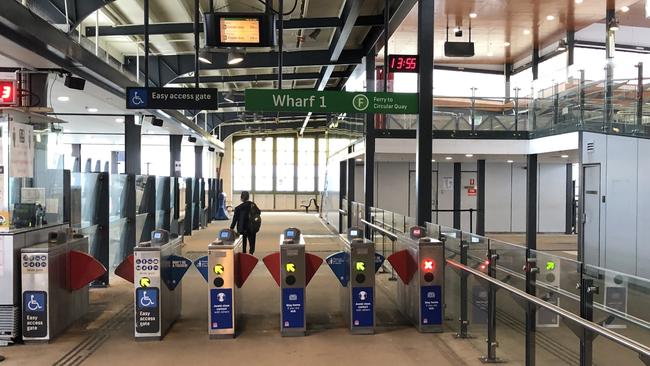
x=240 y=30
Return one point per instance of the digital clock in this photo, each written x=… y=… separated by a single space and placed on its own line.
x=403 y=63
x=8 y=97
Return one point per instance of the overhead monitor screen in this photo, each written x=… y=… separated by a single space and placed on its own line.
x=240 y=30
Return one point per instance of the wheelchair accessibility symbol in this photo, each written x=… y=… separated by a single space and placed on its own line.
x=34 y=301
x=136 y=98
x=147 y=298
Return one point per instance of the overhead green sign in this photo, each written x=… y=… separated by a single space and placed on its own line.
x=271 y=100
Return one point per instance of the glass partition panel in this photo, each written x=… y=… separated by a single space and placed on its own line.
x=117 y=219
x=510 y=263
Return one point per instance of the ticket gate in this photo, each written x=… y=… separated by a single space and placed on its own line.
x=156 y=269
x=419 y=262
x=355 y=267
x=226 y=269
x=55 y=279
x=292 y=268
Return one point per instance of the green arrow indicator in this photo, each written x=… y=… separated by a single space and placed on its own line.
x=360 y=266
x=550 y=266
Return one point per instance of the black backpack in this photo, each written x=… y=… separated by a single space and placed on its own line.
x=254 y=219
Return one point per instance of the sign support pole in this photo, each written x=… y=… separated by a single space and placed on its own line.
x=197 y=14
x=280 y=42
x=146 y=43
x=425 y=118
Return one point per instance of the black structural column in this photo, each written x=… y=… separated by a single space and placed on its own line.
x=350 y=189
x=369 y=167
x=425 y=117
x=531 y=244
x=570 y=197
x=175 y=172
x=480 y=198
x=131 y=145
x=198 y=162
x=610 y=48
x=343 y=168
x=196 y=197
x=457 y=192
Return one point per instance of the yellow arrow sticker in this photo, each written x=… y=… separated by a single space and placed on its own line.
x=218 y=269
x=291 y=267
x=360 y=266
x=145 y=282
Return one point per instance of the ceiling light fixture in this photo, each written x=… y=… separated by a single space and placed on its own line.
x=579 y=1
x=625 y=9
x=550 y=17
x=506 y=44
x=119 y=120
x=473 y=15
x=562 y=46
x=433 y=160
x=565 y=156
x=448 y=158
x=526 y=31
x=63 y=98
x=92 y=110
x=235 y=57
x=510 y=161
x=469 y=155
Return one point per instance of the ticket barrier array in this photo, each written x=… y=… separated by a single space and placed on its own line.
x=55 y=279
x=156 y=269
x=419 y=262
x=355 y=267
x=292 y=268
x=226 y=269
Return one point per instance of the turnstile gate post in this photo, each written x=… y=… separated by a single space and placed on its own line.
x=462 y=333
x=492 y=343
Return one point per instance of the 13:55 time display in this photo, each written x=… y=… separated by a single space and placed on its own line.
x=403 y=63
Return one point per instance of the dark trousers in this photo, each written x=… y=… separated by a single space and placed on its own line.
x=249 y=238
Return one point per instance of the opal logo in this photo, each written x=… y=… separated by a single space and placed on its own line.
x=360 y=102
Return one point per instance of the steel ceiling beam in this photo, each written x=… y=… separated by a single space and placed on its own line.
x=55 y=11
x=257 y=77
x=351 y=10
x=398 y=12
x=181 y=28
x=170 y=67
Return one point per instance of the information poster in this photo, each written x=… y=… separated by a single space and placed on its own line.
x=362 y=307
x=21 y=150
x=293 y=307
x=221 y=308
x=431 y=309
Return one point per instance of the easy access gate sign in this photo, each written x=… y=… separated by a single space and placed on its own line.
x=270 y=100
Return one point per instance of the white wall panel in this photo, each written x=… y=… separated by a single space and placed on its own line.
x=392 y=186
x=551 y=198
x=621 y=204
x=498 y=197
x=643 y=210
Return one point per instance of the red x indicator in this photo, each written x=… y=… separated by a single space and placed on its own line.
x=428 y=265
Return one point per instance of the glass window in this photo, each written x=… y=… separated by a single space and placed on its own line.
x=306 y=164
x=242 y=160
x=263 y=164
x=322 y=163
x=285 y=164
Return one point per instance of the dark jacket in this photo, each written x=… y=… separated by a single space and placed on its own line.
x=240 y=218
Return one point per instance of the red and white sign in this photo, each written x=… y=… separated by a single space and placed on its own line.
x=8 y=96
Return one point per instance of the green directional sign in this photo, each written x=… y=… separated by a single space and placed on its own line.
x=270 y=100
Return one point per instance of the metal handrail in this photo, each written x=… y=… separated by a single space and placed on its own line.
x=383 y=231
x=343 y=212
x=628 y=343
